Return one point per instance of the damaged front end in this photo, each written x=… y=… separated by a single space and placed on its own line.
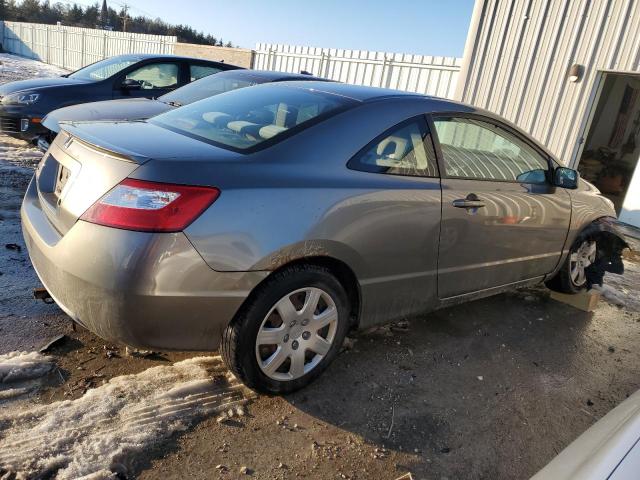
x=611 y=242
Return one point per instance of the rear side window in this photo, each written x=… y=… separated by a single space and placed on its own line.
x=405 y=149
x=156 y=75
x=245 y=118
x=197 y=72
x=480 y=150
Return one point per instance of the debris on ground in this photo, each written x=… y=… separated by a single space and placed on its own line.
x=53 y=342
x=13 y=246
x=16 y=366
x=110 y=352
x=113 y=423
x=134 y=352
x=13 y=393
x=244 y=470
x=348 y=344
x=402 y=326
x=406 y=476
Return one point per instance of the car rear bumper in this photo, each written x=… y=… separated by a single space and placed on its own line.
x=143 y=289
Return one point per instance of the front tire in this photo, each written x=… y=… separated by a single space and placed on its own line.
x=572 y=276
x=289 y=330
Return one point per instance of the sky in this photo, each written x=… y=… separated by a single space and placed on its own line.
x=426 y=27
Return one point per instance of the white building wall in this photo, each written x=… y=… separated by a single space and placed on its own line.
x=518 y=55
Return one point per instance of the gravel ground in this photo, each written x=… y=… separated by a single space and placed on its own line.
x=491 y=389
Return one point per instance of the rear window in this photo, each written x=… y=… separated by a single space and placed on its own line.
x=246 y=118
x=206 y=87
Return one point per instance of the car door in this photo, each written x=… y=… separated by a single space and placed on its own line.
x=396 y=225
x=149 y=80
x=502 y=219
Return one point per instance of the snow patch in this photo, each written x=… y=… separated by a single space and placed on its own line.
x=621 y=290
x=17 y=366
x=101 y=433
x=14 y=67
x=18 y=152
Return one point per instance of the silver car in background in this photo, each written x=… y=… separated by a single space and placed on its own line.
x=269 y=221
x=609 y=450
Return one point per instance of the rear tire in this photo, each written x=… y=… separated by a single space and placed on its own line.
x=572 y=276
x=289 y=330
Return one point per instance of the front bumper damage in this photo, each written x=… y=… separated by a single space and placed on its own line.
x=611 y=242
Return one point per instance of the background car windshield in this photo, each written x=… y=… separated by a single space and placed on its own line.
x=205 y=88
x=104 y=69
x=244 y=118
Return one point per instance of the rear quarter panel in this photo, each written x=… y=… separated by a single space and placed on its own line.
x=298 y=199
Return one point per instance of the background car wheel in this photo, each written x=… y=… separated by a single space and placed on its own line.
x=572 y=278
x=288 y=331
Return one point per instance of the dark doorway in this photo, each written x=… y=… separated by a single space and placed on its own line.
x=612 y=147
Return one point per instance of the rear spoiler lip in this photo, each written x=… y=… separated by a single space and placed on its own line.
x=90 y=141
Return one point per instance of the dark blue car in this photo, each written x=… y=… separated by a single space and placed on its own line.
x=24 y=103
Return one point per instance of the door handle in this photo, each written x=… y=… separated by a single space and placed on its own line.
x=472 y=201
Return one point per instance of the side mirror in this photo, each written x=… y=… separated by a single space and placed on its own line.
x=565 y=177
x=131 y=84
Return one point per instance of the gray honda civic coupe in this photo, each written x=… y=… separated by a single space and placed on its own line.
x=269 y=221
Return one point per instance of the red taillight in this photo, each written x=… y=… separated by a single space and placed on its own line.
x=150 y=206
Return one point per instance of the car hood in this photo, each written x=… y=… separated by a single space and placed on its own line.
x=141 y=141
x=124 y=109
x=37 y=83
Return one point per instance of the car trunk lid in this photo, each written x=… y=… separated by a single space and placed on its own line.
x=74 y=174
x=86 y=160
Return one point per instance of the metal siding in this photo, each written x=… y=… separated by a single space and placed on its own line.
x=414 y=73
x=517 y=60
x=73 y=47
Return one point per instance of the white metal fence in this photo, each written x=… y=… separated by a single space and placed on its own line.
x=73 y=47
x=415 y=73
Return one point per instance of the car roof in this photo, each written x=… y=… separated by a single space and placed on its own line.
x=354 y=92
x=146 y=56
x=431 y=104
x=272 y=76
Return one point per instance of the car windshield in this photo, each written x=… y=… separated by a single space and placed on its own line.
x=242 y=119
x=207 y=87
x=104 y=69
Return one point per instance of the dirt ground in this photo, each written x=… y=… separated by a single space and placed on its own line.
x=491 y=389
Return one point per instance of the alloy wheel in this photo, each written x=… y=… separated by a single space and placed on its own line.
x=584 y=256
x=296 y=334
